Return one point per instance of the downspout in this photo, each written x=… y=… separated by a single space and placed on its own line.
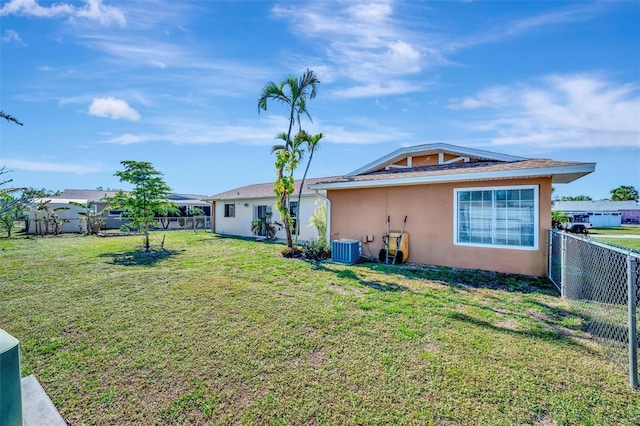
x=328 y=201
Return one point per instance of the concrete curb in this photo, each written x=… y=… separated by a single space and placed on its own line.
x=37 y=408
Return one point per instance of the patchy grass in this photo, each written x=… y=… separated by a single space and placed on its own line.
x=222 y=330
x=616 y=230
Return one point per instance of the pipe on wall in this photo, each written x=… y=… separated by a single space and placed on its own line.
x=328 y=201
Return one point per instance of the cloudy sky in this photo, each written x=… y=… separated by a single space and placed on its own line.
x=176 y=83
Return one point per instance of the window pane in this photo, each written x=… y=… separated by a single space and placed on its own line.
x=496 y=217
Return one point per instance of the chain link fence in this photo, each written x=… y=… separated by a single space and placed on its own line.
x=602 y=282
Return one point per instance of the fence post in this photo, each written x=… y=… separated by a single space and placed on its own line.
x=563 y=264
x=550 y=256
x=633 y=334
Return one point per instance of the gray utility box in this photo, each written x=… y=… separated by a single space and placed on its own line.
x=10 y=387
x=345 y=251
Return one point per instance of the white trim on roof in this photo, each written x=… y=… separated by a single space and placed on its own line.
x=560 y=174
x=432 y=148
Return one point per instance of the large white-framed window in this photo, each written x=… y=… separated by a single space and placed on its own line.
x=498 y=216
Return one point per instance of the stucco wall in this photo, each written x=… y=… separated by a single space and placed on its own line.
x=430 y=211
x=241 y=224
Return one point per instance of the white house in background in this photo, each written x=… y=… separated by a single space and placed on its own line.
x=602 y=212
x=235 y=210
x=62 y=207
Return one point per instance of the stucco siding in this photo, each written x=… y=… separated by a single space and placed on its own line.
x=430 y=224
x=244 y=213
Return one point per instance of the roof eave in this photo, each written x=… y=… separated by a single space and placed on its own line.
x=559 y=174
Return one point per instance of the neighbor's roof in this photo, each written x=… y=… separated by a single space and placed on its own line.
x=264 y=190
x=81 y=195
x=560 y=171
x=595 y=206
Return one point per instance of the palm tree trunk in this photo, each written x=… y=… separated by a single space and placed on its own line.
x=304 y=176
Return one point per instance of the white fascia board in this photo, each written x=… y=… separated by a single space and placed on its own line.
x=264 y=197
x=403 y=152
x=576 y=170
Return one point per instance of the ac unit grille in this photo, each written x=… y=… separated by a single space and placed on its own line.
x=345 y=251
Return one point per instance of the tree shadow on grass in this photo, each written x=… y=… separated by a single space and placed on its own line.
x=350 y=274
x=461 y=278
x=140 y=256
x=542 y=333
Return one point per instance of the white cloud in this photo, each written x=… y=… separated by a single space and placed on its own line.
x=581 y=110
x=93 y=10
x=12 y=36
x=189 y=131
x=364 y=43
x=381 y=89
x=41 y=166
x=113 y=108
x=97 y=11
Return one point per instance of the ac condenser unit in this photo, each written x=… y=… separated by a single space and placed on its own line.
x=345 y=251
x=10 y=387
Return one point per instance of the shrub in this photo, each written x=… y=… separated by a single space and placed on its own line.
x=316 y=249
x=291 y=251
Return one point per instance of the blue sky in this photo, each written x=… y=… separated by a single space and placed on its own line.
x=176 y=83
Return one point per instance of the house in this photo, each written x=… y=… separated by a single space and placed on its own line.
x=602 y=212
x=465 y=208
x=72 y=221
x=235 y=210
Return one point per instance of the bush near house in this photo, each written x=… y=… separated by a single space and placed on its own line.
x=223 y=331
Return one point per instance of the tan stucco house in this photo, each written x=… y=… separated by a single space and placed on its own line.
x=465 y=208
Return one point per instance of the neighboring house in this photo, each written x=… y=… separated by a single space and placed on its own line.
x=235 y=210
x=466 y=208
x=62 y=207
x=603 y=212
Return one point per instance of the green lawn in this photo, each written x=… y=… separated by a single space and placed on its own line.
x=616 y=230
x=632 y=243
x=225 y=331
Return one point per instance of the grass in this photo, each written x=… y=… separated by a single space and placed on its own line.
x=220 y=330
x=631 y=243
x=616 y=230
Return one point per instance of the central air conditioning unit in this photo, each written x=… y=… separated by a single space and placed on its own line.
x=10 y=386
x=345 y=251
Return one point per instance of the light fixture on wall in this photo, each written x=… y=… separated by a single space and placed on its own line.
x=246 y=204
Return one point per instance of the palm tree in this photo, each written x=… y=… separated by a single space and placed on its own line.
x=293 y=93
x=312 y=143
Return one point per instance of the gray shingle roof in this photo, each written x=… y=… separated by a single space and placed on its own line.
x=85 y=194
x=263 y=190
x=595 y=206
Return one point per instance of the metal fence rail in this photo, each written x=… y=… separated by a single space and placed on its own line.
x=602 y=282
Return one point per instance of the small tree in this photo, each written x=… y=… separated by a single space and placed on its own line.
x=11 y=209
x=624 y=193
x=148 y=197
